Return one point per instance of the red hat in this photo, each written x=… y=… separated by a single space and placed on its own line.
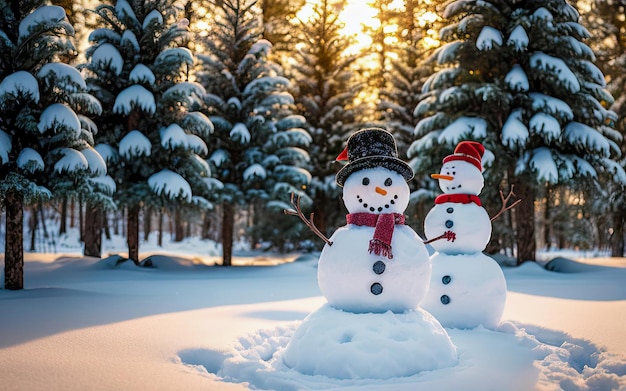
x=469 y=151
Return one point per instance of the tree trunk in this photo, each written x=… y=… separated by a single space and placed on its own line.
x=617 y=239
x=206 y=226
x=133 y=234
x=105 y=226
x=42 y=216
x=228 y=224
x=179 y=231
x=32 y=226
x=253 y=219
x=147 y=224
x=14 y=246
x=81 y=220
x=73 y=213
x=547 y=219
x=525 y=222
x=117 y=216
x=160 y=240
x=93 y=231
x=63 y=222
x=170 y=224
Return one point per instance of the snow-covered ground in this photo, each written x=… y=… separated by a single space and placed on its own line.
x=83 y=323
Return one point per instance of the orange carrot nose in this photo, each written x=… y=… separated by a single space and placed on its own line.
x=381 y=191
x=441 y=176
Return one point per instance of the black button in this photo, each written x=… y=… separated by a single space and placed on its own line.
x=445 y=299
x=450 y=210
x=376 y=288
x=446 y=280
x=449 y=223
x=379 y=267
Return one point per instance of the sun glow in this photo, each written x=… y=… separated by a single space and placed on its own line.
x=359 y=18
x=358 y=15
x=354 y=16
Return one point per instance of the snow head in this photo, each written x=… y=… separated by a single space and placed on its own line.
x=461 y=172
x=376 y=190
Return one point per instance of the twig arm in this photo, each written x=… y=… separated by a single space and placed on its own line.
x=448 y=235
x=505 y=201
x=295 y=201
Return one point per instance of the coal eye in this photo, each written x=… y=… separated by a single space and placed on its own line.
x=366 y=181
x=388 y=182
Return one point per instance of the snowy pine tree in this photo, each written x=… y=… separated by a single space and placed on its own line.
x=518 y=77
x=606 y=21
x=325 y=90
x=46 y=136
x=258 y=153
x=404 y=77
x=277 y=16
x=151 y=131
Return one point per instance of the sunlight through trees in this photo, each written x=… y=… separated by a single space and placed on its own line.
x=238 y=100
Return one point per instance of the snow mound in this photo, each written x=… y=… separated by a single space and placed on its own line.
x=566 y=265
x=515 y=357
x=344 y=345
x=154 y=261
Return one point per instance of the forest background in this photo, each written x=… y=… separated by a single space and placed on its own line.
x=200 y=118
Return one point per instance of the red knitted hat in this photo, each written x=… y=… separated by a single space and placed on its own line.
x=469 y=151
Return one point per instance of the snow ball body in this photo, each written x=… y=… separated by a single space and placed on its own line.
x=466 y=290
x=344 y=345
x=348 y=274
x=469 y=222
x=353 y=279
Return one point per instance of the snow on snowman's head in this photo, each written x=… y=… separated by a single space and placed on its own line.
x=376 y=190
x=461 y=172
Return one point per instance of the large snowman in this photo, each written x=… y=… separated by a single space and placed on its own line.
x=375 y=263
x=374 y=272
x=467 y=287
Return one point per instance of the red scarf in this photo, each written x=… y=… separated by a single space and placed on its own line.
x=384 y=223
x=458 y=198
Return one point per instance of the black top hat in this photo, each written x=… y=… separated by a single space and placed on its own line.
x=369 y=148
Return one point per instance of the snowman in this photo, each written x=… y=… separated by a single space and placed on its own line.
x=374 y=272
x=375 y=262
x=467 y=287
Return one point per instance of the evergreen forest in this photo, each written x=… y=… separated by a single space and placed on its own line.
x=202 y=118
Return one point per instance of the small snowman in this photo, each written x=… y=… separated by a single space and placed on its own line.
x=374 y=272
x=467 y=287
